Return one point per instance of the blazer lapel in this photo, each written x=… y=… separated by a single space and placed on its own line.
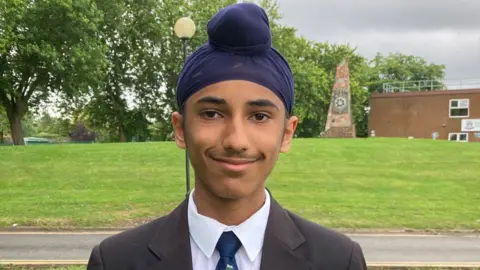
x=282 y=240
x=172 y=243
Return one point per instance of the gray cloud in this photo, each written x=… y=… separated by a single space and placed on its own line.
x=442 y=31
x=383 y=14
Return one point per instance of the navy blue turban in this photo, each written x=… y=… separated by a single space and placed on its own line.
x=239 y=47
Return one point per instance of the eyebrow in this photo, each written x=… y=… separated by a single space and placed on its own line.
x=253 y=103
x=263 y=103
x=212 y=100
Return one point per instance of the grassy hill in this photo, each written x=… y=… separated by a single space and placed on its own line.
x=362 y=183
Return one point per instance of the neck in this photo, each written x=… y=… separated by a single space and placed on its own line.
x=230 y=212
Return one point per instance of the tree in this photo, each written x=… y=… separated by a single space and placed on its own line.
x=131 y=32
x=51 y=127
x=3 y=123
x=28 y=125
x=311 y=81
x=402 y=72
x=144 y=60
x=314 y=65
x=46 y=47
x=171 y=54
x=359 y=79
x=329 y=56
x=405 y=72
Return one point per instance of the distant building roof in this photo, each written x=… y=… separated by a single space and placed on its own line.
x=475 y=91
x=430 y=85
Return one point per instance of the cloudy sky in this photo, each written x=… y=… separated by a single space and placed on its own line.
x=442 y=31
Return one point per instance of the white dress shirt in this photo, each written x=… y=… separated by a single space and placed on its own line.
x=205 y=232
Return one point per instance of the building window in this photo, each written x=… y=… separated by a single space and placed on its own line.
x=459 y=108
x=458 y=137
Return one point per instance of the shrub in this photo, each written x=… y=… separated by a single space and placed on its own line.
x=80 y=133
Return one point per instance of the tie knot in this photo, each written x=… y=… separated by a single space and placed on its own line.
x=228 y=244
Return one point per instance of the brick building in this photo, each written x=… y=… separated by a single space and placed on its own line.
x=445 y=115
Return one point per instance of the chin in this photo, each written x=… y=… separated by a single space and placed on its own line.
x=230 y=184
x=231 y=189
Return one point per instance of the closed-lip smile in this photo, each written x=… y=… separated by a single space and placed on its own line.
x=234 y=164
x=235 y=161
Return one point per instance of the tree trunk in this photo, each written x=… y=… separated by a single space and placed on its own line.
x=15 y=114
x=121 y=132
x=1 y=137
x=16 y=128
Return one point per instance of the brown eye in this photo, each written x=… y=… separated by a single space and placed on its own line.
x=260 y=117
x=210 y=114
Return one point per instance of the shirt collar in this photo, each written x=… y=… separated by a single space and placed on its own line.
x=206 y=231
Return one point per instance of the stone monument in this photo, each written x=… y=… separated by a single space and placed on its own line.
x=339 y=119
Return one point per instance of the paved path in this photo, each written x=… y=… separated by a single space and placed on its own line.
x=379 y=249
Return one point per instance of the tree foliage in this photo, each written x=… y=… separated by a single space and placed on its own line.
x=314 y=67
x=145 y=58
x=115 y=64
x=51 y=127
x=132 y=32
x=171 y=57
x=46 y=47
x=408 y=72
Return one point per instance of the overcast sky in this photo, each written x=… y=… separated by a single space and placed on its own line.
x=442 y=31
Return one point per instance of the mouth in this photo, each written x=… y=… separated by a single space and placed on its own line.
x=235 y=164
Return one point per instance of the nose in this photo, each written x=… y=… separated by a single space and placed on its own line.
x=235 y=137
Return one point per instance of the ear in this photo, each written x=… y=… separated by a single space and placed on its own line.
x=290 y=128
x=177 y=122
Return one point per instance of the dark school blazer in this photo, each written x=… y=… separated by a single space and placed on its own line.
x=291 y=243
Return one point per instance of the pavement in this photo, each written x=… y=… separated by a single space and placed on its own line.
x=395 y=250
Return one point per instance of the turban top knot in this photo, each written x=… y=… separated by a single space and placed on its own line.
x=239 y=48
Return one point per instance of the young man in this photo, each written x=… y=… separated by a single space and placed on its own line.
x=235 y=96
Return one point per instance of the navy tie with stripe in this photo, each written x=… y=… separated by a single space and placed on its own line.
x=227 y=246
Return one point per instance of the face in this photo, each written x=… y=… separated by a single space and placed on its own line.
x=233 y=132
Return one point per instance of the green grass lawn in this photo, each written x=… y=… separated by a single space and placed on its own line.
x=362 y=183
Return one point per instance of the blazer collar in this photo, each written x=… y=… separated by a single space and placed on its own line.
x=283 y=239
x=206 y=231
x=171 y=244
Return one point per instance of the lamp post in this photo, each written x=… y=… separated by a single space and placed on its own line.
x=185 y=29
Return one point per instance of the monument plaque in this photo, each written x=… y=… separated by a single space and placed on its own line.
x=339 y=119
